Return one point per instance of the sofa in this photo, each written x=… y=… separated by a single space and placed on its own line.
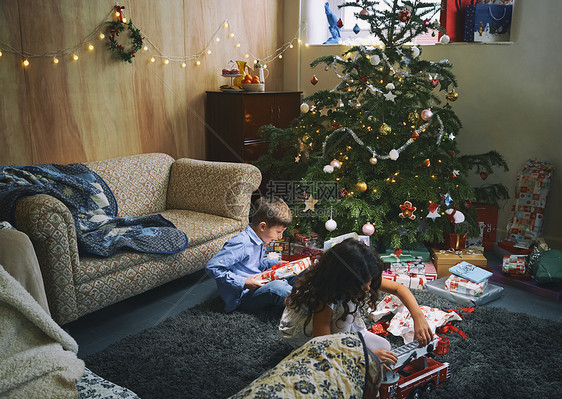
x=209 y=201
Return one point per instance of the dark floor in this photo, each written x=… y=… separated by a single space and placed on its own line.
x=97 y=330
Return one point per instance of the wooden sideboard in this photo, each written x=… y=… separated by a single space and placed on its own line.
x=233 y=120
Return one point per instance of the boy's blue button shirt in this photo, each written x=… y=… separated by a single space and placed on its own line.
x=240 y=257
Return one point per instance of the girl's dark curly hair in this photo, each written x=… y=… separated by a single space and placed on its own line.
x=338 y=276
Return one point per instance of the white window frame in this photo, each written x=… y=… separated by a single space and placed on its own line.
x=317 y=24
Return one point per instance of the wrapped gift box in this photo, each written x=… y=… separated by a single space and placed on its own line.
x=462 y=286
x=286 y=270
x=412 y=281
x=491 y=292
x=389 y=275
x=514 y=264
x=444 y=259
x=411 y=255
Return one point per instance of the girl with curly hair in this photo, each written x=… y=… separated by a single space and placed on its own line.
x=326 y=299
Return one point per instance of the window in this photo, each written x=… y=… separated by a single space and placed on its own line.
x=317 y=24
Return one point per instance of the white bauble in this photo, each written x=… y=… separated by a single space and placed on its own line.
x=328 y=168
x=368 y=229
x=415 y=51
x=331 y=225
x=304 y=108
x=393 y=154
x=335 y=163
x=445 y=39
x=390 y=86
x=458 y=216
x=375 y=60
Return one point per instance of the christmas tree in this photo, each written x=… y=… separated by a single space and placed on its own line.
x=377 y=154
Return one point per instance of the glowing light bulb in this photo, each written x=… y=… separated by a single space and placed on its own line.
x=117 y=14
x=25 y=63
x=237 y=45
x=231 y=35
x=124 y=20
x=280 y=56
x=209 y=52
x=225 y=25
x=197 y=62
x=0 y=53
x=291 y=45
x=246 y=55
x=166 y=61
x=55 y=60
x=152 y=59
x=102 y=36
x=218 y=39
x=90 y=47
x=183 y=64
x=75 y=57
x=145 y=48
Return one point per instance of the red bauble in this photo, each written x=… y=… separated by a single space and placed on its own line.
x=339 y=23
x=484 y=175
x=398 y=252
x=404 y=16
x=433 y=83
x=343 y=193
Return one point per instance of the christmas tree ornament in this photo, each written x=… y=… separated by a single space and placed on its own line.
x=305 y=108
x=309 y=203
x=343 y=193
x=415 y=136
x=364 y=12
x=426 y=163
x=331 y=225
x=339 y=23
x=328 y=168
x=455 y=216
x=363 y=78
x=415 y=52
x=445 y=39
x=393 y=154
x=451 y=136
x=389 y=96
x=368 y=229
x=483 y=175
x=314 y=80
x=407 y=211
x=446 y=199
x=385 y=129
x=427 y=22
x=306 y=139
x=335 y=163
x=357 y=105
x=373 y=160
x=413 y=117
x=467 y=203
x=335 y=125
x=455 y=173
x=433 y=211
x=434 y=82
x=356 y=29
x=375 y=60
x=390 y=86
x=361 y=186
x=452 y=95
x=426 y=114
x=404 y=16
x=397 y=252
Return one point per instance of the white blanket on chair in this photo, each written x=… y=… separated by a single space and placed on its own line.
x=37 y=357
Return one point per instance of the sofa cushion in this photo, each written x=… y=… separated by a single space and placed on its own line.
x=199 y=227
x=138 y=182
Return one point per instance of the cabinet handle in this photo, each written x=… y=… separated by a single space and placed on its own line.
x=278 y=113
x=271 y=113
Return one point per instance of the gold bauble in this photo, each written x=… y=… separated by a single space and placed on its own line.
x=361 y=186
x=306 y=139
x=373 y=160
x=452 y=95
x=413 y=117
x=385 y=129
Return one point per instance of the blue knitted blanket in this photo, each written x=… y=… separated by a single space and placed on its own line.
x=93 y=207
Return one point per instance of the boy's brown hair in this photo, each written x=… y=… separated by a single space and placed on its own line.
x=273 y=211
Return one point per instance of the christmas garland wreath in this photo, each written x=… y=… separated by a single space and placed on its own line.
x=114 y=29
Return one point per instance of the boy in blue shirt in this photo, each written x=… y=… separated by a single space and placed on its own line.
x=237 y=266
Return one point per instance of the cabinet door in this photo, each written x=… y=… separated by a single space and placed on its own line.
x=286 y=108
x=259 y=110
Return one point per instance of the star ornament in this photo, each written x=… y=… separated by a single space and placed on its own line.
x=309 y=203
x=433 y=212
x=389 y=96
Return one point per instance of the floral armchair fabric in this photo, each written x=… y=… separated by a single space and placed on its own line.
x=209 y=201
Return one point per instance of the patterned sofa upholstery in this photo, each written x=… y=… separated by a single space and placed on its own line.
x=209 y=201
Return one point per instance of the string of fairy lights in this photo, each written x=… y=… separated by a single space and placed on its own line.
x=155 y=55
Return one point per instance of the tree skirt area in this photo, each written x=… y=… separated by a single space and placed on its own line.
x=205 y=353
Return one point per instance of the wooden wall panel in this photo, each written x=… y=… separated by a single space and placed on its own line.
x=100 y=107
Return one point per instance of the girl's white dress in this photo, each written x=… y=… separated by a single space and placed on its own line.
x=292 y=323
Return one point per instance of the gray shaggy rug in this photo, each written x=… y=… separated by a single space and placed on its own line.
x=205 y=353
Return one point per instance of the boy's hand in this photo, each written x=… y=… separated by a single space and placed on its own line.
x=254 y=282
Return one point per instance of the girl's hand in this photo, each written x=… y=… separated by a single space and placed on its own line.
x=422 y=331
x=386 y=357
